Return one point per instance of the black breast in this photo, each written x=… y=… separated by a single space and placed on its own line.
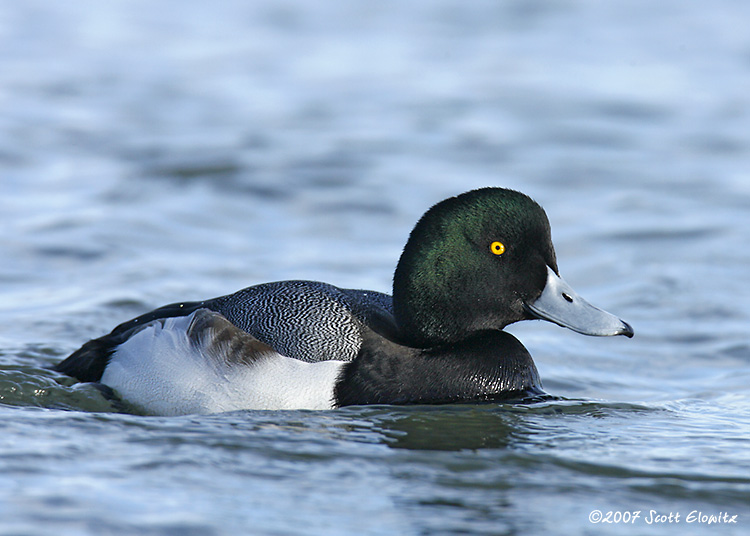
x=490 y=365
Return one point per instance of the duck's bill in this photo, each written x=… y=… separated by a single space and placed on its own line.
x=560 y=304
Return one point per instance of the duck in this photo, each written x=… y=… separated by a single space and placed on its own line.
x=472 y=265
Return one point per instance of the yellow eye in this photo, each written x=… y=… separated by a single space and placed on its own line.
x=497 y=248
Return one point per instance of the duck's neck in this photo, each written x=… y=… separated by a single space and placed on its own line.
x=425 y=314
x=489 y=365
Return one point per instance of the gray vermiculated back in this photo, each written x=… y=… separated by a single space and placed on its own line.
x=306 y=320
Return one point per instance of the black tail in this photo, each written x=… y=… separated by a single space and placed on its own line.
x=87 y=364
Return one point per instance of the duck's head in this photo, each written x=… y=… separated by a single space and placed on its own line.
x=483 y=260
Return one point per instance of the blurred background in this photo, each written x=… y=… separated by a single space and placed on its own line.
x=156 y=151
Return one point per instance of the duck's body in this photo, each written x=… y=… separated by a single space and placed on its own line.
x=211 y=356
x=473 y=264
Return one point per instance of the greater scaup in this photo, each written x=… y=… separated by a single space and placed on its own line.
x=473 y=264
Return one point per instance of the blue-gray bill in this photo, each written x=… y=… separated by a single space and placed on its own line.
x=560 y=304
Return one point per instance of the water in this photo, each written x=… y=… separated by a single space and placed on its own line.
x=157 y=151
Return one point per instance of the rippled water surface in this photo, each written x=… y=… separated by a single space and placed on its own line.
x=158 y=151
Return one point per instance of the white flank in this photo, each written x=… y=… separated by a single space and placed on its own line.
x=159 y=372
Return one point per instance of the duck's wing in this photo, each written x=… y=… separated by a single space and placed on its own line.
x=202 y=363
x=222 y=343
x=304 y=320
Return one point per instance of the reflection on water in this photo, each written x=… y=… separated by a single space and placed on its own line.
x=454 y=429
x=485 y=426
